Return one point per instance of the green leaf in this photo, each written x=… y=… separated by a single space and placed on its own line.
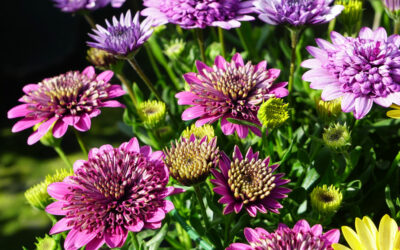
x=155 y=242
x=242 y=122
x=311 y=176
x=389 y=202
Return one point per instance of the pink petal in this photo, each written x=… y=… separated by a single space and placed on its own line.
x=26 y=123
x=115 y=91
x=337 y=38
x=237 y=154
x=156 y=216
x=41 y=131
x=347 y=102
x=301 y=226
x=311 y=63
x=78 y=165
x=95 y=243
x=117 y=239
x=59 y=129
x=84 y=123
x=332 y=235
x=61 y=226
x=228 y=209
x=362 y=106
x=241 y=130
x=157 y=156
x=69 y=242
x=105 y=76
x=153 y=225
x=251 y=210
x=251 y=235
x=89 y=71
x=168 y=206
x=317 y=53
x=193 y=112
x=227 y=127
x=256 y=131
x=201 y=66
x=30 y=87
x=200 y=122
x=330 y=93
x=237 y=207
x=18 y=111
x=237 y=58
x=58 y=190
x=384 y=102
x=71 y=119
x=380 y=34
x=133 y=145
x=316 y=230
x=260 y=66
x=366 y=33
x=186 y=98
x=239 y=246
x=137 y=227
x=112 y=104
x=191 y=78
x=83 y=238
x=325 y=44
x=220 y=62
x=56 y=208
x=146 y=150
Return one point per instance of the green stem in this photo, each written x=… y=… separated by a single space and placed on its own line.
x=242 y=40
x=89 y=19
x=132 y=61
x=349 y=166
x=221 y=41
x=128 y=86
x=200 y=40
x=134 y=240
x=62 y=155
x=294 y=36
x=153 y=62
x=81 y=143
x=396 y=27
x=228 y=220
x=202 y=207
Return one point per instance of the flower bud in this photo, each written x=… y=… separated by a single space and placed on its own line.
x=351 y=16
x=152 y=113
x=199 y=132
x=46 y=243
x=328 y=111
x=273 y=113
x=100 y=58
x=326 y=200
x=336 y=136
x=174 y=48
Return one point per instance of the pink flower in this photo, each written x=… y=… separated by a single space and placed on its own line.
x=70 y=99
x=300 y=237
x=115 y=191
x=229 y=90
x=248 y=183
x=361 y=71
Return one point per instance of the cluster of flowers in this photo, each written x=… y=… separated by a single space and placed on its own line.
x=124 y=189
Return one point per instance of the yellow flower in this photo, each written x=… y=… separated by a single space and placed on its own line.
x=368 y=237
x=395 y=113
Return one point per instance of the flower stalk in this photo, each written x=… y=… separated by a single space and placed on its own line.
x=81 y=143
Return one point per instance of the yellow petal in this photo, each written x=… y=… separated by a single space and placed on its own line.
x=387 y=232
x=351 y=238
x=365 y=235
x=337 y=246
x=396 y=243
x=394 y=113
x=372 y=228
x=394 y=106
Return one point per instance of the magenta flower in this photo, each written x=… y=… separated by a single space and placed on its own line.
x=392 y=5
x=248 y=182
x=360 y=70
x=300 y=237
x=296 y=13
x=70 y=99
x=123 y=36
x=191 y=14
x=230 y=90
x=115 y=191
x=77 y=5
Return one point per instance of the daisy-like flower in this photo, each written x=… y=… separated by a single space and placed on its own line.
x=248 y=182
x=326 y=200
x=70 y=99
x=191 y=14
x=394 y=113
x=301 y=236
x=115 y=191
x=122 y=37
x=190 y=160
x=367 y=236
x=362 y=70
x=77 y=5
x=296 y=12
x=230 y=90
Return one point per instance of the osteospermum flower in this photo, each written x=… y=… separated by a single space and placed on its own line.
x=115 y=191
x=296 y=12
x=70 y=99
x=230 y=90
x=248 y=182
x=362 y=70
x=191 y=14
x=152 y=113
x=122 y=37
x=367 y=236
x=190 y=160
x=394 y=113
x=77 y=5
x=273 y=113
x=326 y=200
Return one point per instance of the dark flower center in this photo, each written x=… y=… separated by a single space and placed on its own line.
x=335 y=135
x=326 y=197
x=250 y=180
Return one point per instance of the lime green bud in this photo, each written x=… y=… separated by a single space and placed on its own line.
x=100 y=58
x=213 y=50
x=174 y=48
x=199 y=132
x=336 y=136
x=326 y=200
x=48 y=139
x=152 y=113
x=351 y=16
x=37 y=195
x=273 y=113
x=46 y=243
x=328 y=111
x=158 y=29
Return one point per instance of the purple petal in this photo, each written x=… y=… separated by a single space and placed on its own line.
x=89 y=71
x=59 y=129
x=237 y=154
x=156 y=216
x=61 y=226
x=26 y=123
x=347 y=102
x=330 y=93
x=105 y=76
x=362 y=106
x=56 y=208
x=83 y=123
x=191 y=78
x=193 y=112
x=186 y=98
x=251 y=235
x=220 y=62
x=332 y=236
x=301 y=226
x=18 y=111
x=95 y=243
x=237 y=58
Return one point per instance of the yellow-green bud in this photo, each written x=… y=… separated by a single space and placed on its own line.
x=174 y=48
x=46 y=243
x=100 y=58
x=336 y=136
x=37 y=195
x=273 y=113
x=152 y=113
x=326 y=200
x=214 y=49
x=48 y=139
x=199 y=132
x=328 y=111
x=351 y=16
x=158 y=29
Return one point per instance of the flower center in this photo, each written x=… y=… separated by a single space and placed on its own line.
x=326 y=197
x=250 y=180
x=335 y=135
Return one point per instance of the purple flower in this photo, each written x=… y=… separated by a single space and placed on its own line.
x=300 y=237
x=115 y=191
x=392 y=5
x=70 y=99
x=248 y=182
x=230 y=90
x=191 y=14
x=122 y=37
x=360 y=70
x=296 y=12
x=77 y=5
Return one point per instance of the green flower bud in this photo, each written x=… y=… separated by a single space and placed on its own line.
x=326 y=200
x=100 y=58
x=328 y=111
x=46 y=243
x=273 y=113
x=351 y=16
x=199 y=132
x=152 y=113
x=174 y=48
x=336 y=136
